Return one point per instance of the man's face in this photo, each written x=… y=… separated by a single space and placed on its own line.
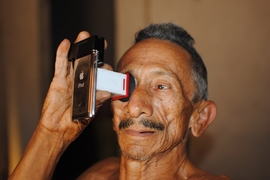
x=157 y=114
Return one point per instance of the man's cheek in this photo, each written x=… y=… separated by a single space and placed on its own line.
x=118 y=116
x=116 y=108
x=115 y=118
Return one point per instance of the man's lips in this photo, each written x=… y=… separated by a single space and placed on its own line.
x=139 y=133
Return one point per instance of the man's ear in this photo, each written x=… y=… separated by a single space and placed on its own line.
x=203 y=115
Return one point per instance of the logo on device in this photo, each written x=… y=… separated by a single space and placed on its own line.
x=81 y=76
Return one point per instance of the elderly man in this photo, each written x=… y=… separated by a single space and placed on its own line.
x=168 y=103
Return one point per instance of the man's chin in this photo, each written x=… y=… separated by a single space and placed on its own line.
x=136 y=156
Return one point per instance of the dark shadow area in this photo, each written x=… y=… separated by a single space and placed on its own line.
x=98 y=141
x=3 y=128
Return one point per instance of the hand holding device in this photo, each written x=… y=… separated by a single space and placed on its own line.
x=86 y=56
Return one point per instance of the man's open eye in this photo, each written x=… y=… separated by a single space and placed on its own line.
x=161 y=86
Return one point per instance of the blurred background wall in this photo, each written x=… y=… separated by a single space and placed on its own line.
x=231 y=36
x=24 y=64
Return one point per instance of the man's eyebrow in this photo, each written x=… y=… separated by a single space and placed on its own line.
x=169 y=74
x=157 y=71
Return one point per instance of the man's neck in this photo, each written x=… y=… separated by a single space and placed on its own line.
x=167 y=165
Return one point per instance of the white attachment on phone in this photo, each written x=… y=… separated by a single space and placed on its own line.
x=113 y=82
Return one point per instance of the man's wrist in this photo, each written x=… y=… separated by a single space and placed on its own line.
x=54 y=139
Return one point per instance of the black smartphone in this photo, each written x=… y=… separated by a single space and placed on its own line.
x=86 y=56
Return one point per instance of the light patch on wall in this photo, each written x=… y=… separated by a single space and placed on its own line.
x=14 y=138
x=14 y=141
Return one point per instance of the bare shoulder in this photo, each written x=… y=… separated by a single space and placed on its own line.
x=210 y=177
x=103 y=170
x=199 y=174
x=215 y=177
x=222 y=177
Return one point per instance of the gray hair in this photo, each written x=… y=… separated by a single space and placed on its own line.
x=176 y=34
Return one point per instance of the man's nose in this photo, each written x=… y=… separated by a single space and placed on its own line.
x=140 y=102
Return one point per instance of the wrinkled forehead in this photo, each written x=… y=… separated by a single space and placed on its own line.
x=153 y=53
x=159 y=52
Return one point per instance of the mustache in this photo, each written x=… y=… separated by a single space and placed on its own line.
x=145 y=122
